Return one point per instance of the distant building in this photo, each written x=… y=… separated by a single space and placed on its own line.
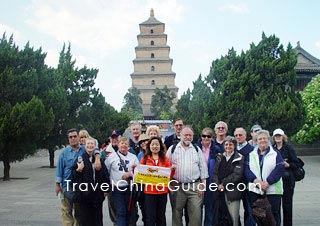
x=307 y=67
x=152 y=65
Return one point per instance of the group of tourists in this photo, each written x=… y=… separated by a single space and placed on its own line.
x=209 y=178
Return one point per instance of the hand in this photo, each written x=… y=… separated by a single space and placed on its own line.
x=97 y=163
x=80 y=166
x=265 y=185
x=57 y=188
x=134 y=166
x=126 y=176
x=286 y=165
x=220 y=187
x=201 y=194
x=173 y=167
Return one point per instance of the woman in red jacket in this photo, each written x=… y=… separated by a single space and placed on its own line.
x=155 y=197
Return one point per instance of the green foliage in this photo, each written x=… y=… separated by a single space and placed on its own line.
x=253 y=87
x=310 y=130
x=132 y=102
x=162 y=101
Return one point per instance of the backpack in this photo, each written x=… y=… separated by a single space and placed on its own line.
x=174 y=147
x=299 y=172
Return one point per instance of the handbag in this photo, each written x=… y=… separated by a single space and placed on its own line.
x=299 y=172
x=261 y=211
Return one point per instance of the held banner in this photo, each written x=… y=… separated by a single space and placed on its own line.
x=154 y=175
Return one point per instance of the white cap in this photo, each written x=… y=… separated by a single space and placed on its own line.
x=278 y=132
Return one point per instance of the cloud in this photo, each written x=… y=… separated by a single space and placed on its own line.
x=318 y=45
x=240 y=8
x=97 y=26
x=17 y=36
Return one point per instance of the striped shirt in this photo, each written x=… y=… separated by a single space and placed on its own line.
x=190 y=164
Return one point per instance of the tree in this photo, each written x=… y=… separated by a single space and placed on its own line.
x=132 y=104
x=310 y=130
x=162 y=101
x=24 y=120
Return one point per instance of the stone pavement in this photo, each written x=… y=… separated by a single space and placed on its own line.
x=29 y=199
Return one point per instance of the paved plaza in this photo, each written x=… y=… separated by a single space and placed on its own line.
x=29 y=200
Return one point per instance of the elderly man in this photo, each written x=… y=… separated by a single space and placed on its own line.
x=174 y=138
x=189 y=176
x=134 y=140
x=220 y=129
x=253 y=131
x=244 y=148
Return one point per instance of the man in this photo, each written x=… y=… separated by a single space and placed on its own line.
x=111 y=148
x=253 y=131
x=244 y=148
x=190 y=170
x=220 y=129
x=174 y=138
x=66 y=160
x=134 y=140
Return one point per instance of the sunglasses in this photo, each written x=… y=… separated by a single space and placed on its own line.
x=206 y=136
x=238 y=135
x=222 y=128
x=178 y=125
x=72 y=137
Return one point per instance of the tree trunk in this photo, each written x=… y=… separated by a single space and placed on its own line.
x=51 y=158
x=6 y=168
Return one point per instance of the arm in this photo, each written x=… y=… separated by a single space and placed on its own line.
x=97 y=161
x=249 y=175
x=278 y=171
x=59 y=173
x=236 y=175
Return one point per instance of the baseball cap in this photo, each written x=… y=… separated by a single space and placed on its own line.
x=114 y=133
x=278 y=132
x=255 y=128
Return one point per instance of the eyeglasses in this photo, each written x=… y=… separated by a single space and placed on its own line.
x=222 y=128
x=177 y=125
x=72 y=137
x=206 y=136
x=238 y=135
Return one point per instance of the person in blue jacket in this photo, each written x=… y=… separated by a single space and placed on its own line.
x=264 y=169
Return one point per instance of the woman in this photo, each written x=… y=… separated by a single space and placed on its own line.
x=143 y=141
x=290 y=163
x=153 y=131
x=155 y=196
x=83 y=135
x=120 y=165
x=209 y=150
x=227 y=174
x=263 y=169
x=91 y=200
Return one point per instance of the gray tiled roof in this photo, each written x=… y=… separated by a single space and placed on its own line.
x=311 y=64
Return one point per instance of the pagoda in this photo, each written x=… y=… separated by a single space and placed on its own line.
x=152 y=65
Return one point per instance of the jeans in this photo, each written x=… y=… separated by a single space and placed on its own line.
x=121 y=199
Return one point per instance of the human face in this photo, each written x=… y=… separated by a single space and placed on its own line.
x=206 y=138
x=143 y=144
x=90 y=146
x=114 y=141
x=262 y=141
x=83 y=140
x=178 y=126
x=240 y=136
x=136 y=131
x=154 y=146
x=153 y=133
x=229 y=147
x=221 y=130
x=73 y=139
x=186 y=136
x=278 y=138
x=124 y=147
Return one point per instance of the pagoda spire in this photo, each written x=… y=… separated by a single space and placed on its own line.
x=151 y=13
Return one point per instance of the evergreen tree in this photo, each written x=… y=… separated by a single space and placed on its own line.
x=24 y=120
x=162 y=101
x=133 y=104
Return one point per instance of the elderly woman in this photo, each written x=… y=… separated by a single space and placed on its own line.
x=290 y=163
x=209 y=150
x=263 y=169
x=227 y=174
x=153 y=131
x=92 y=199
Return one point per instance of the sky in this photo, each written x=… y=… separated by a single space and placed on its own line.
x=103 y=33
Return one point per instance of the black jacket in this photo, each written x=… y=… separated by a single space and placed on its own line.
x=234 y=177
x=94 y=193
